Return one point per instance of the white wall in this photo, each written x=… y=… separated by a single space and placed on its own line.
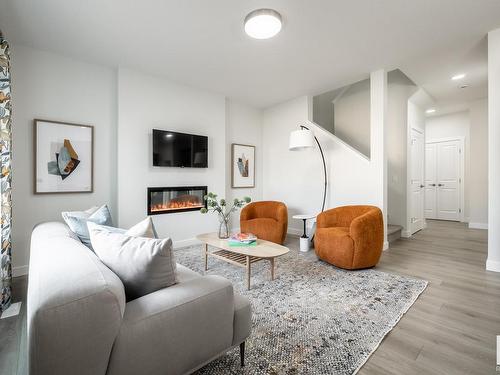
x=478 y=182
x=454 y=125
x=243 y=126
x=293 y=177
x=296 y=177
x=53 y=87
x=146 y=102
x=352 y=116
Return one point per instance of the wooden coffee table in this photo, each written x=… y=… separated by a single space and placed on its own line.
x=241 y=256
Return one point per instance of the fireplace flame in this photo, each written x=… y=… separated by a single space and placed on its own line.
x=176 y=205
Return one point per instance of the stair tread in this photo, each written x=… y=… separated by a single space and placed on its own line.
x=393 y=229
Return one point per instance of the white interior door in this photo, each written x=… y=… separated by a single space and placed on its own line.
x=430 y=204
x=417 y=181
x=443 y=185
x=448 y=182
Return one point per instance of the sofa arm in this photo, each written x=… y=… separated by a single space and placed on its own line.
x=174 y=330
x=242 y=325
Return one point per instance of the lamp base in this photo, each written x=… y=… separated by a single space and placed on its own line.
x=304 y=244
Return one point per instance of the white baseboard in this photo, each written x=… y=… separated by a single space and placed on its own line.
x=19 y=271
x=493 y=265
x=386 y=245
x=186 y=243
x=478 y=225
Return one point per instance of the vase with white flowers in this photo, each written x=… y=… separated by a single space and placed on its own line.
x=223 y=210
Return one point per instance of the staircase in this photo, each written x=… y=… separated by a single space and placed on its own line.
x=393 y=232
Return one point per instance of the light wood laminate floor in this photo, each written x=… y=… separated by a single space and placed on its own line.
x=451 y=328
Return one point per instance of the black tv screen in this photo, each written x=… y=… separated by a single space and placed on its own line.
x=171 y=149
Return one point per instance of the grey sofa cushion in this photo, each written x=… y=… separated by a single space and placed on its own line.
x=144 y=265
x=175 y=330
x=77 y=222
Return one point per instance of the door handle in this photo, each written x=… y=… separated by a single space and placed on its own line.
x=432 y=184
x=422 y=186
x=440 y=184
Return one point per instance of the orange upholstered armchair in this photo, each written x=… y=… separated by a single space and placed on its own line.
x=350 y=237
x=268 y=220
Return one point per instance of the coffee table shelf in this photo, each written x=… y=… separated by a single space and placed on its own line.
x=234 y=258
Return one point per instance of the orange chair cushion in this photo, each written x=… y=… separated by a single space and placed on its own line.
x=334 y=245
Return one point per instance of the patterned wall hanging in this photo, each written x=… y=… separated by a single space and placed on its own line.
x=5 y=175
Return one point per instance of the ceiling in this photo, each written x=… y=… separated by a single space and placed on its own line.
x=324 y=44
x=433 y=72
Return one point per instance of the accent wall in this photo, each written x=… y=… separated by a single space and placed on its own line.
x=146 y=102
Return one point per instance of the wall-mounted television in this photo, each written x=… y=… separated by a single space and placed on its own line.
x=172 y=149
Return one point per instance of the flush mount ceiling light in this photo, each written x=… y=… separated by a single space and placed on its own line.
x=458 y=76
x=263 y=23
x=430 y=110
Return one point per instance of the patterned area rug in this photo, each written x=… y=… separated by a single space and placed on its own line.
x=313 y=318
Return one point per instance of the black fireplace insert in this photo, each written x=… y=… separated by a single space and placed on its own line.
x=172 y=199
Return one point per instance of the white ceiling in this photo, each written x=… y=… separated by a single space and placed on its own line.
x=434 y=71
x=324 y=43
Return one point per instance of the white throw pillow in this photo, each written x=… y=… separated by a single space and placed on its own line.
x=145 y=228
x=144 y=265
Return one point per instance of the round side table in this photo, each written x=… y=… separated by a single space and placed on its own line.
x=304 y=240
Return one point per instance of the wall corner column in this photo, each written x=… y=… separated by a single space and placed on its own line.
x=378 y=153
x=493 y=261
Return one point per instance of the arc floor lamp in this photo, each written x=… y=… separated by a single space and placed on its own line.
x=303 y=139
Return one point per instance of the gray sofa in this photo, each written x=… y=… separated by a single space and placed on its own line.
x=80 y=323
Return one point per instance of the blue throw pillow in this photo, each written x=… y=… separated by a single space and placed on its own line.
x=78 y=222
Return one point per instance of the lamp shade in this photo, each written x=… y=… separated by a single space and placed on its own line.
x=301 y=139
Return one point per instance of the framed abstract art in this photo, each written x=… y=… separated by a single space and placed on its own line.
x=63 y=157
x=242 y=166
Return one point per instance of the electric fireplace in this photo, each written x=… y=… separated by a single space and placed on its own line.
x=168 y=200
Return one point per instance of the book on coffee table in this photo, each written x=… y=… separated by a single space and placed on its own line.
x=242 y=239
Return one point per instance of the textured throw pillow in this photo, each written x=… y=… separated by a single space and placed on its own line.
x=144 y=265
x=85 y=213
x=77 y=222
x=145 y=228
